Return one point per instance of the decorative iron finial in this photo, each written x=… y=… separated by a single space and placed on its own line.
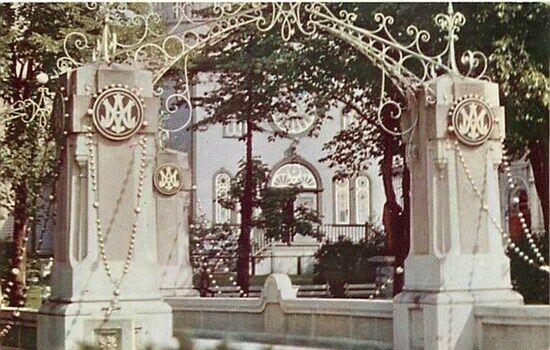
x=450 y=23
x=106 y=46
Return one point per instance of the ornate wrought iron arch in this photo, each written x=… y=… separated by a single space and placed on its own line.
x=161 y=50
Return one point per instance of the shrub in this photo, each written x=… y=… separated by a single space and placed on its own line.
x=344 y=262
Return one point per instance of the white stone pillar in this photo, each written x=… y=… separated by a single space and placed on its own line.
x=456 y=258
x=172 y=180
x=107 y=216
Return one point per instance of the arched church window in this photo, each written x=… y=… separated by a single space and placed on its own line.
x=362 y=199
x=341 y=202
x=299 y=121
x=222 y=183
x=294 y=175
x=299 y=176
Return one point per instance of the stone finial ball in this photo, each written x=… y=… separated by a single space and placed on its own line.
x=42 y=78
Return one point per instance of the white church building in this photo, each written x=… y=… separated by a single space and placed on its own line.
x=343 y=205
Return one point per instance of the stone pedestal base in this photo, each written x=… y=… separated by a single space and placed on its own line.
x=142 y=324
x=442 y=320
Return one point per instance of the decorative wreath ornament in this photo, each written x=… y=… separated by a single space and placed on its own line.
x=471 y=120
x=168 y=179
x=117 y=113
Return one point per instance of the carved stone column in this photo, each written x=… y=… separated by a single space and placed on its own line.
x=105 y=279
x=456 y=258
x=172 y=180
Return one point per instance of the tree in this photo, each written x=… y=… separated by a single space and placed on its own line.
x=281 y=219
x=212 y=250
x=327 y=68
x=273 y=210
x=354 y=149
x=335 y=75
x=252 y=71
x=353 y=82
x=276 y=212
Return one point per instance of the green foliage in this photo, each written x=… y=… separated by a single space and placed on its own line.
x=515 y=38
x=260 y=173
x=344 y=262
x=282 y=220
x=32 y=36
x=256 y=77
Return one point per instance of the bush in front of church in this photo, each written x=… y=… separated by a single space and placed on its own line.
x=345 y=262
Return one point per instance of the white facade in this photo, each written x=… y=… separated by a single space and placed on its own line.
x=216 y=152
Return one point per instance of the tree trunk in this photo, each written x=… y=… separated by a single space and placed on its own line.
x=392 y=216
x=539 y=162
x=403 y=233
x=396 y=219
x=391 y=208
x=244 y=249
x=19 y=251
x=288 y=210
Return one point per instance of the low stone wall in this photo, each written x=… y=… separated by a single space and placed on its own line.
x=513 y=327
x=279 y=317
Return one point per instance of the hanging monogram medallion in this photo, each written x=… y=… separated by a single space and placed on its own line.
x=471 y=120
x=168 y=179
x=117 y=113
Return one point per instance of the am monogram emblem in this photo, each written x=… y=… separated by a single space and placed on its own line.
x=471 y=120
x=168 y=179
x=117 y=113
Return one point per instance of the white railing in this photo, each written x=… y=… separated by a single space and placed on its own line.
x=332 y=233
x=353 y=232
x=260 y=242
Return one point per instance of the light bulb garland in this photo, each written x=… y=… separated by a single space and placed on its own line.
x=383 y=286
x=16 y=312
x=101 y=239
x=537 y=262
x=206 y=263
